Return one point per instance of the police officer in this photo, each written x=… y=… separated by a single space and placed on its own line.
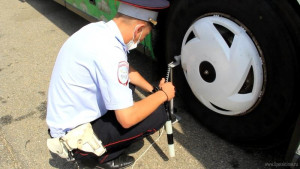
x=90 y=84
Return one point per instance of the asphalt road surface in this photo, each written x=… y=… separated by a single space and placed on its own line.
x=31 y=34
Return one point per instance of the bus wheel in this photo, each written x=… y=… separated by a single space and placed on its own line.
x=239 y=66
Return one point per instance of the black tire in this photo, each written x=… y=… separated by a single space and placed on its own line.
x=275 y=26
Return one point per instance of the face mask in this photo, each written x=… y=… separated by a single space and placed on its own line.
x=131 y=45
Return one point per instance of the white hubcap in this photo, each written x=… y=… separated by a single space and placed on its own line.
x=222 y=65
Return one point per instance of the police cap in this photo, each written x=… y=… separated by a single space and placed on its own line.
x=146 y=10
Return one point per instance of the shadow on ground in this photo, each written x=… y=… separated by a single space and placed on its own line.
x=68 y=21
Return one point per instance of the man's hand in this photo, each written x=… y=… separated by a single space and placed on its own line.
x=130 y=116
x=168 y=88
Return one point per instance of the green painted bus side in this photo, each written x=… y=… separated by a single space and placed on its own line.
x=105 y=10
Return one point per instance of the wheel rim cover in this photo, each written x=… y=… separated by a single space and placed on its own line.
x=231 y=65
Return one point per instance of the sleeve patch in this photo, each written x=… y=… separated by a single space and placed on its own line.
x=123 y=70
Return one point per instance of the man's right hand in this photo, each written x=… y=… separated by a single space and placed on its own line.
x=168 y=88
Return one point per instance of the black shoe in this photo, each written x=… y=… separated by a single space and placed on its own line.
x=85 y=160
x=118 y=163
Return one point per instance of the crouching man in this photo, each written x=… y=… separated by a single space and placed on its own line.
x=91 y=114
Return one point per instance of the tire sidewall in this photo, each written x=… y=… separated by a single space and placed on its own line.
x=273 y=115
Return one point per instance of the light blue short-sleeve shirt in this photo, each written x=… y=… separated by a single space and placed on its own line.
x=89 y=78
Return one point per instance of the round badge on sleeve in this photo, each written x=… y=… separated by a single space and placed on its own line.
x=123 y=70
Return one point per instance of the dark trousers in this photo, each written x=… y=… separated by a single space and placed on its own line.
x=116 y=139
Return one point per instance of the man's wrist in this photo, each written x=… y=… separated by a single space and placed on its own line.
x=155 y=89
x=165 y=94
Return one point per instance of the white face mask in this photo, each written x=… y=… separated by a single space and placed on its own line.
x=131 y=45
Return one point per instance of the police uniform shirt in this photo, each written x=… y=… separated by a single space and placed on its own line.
x=90 y=76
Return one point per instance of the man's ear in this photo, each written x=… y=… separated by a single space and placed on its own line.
x=140 y=28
